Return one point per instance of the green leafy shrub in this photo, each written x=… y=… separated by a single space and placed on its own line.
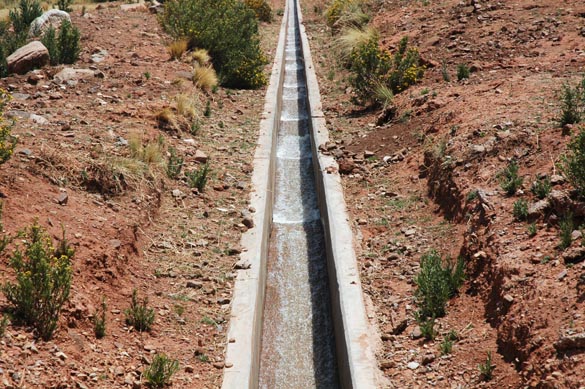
x=437 y=283
x=462 y=72
x=566 y=227
x=509 y=179
x=572 y=103
x=65 y=5
x=7 y=141
x=346 y=13
x=486 y=369
x=198 y=178
x=406 y=69
x=139 y=315
x=24 y=14
x=49 y=39
x=446 y=346
x=228 y=29
x=43 y=280
x=573 y=162
x=520 y=210
x=532 y=230
x=65 y=48
x=174 y=164
x=541 y=187
x=261 y=8
x=99 y=321
x=427 y=328
x=160 y=371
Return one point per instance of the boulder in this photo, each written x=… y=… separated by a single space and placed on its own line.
x=70 y=74
x=28 y=57
x=52 y=18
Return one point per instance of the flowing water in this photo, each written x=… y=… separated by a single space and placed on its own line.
x=298 y=344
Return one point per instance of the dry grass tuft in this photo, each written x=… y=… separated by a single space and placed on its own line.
x=353 y=38
x=177 y=48
x=204 y=77
x=186 y=106
x=166 y=119
x=200 y=57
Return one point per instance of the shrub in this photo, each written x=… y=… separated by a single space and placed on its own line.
x=49 y=39
x=204 y=77
x=346 y=13
x=351 y=39
x=7 y=141
x=446 y=346
x=200 y=57
x=406 y=70
x=228 y=29
x=186 y=106
x=573 y=162
x=69 y=48
x=566 y=227
x=509 y=179
x=198 y=178
x=160 y=371
x=139 y=315
x=99 y=321
x=462 y=72
x=65 y=5
x=541 y=187
x=532 y=230
x=520 y=210
x=22 y=17
x=572 y=103
x=174 y=164
x=436 y=284
x=177 y=48
x=43 y=280
x=427 y=328
x=261 y=8
x=486 y=369
x=445 y=72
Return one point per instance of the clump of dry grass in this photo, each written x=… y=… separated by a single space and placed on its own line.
x=200 y=57
x=177 y=48
x=204 y=77
x=352 y=38
x=186 y=106
x=149 y=153
x=166 y=119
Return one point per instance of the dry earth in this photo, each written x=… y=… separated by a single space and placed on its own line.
x=408 y=183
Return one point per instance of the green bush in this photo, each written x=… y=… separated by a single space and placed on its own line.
x=566 y=226
x=228 y=29
x=65 y=5
x=486 y=369
x=541 y=187
x=43 y=280
x=22 y=17
x=65 y=48
x=572 y=103
x=446 y=346
x=509 y=179
x=7 y=141
x=520 y=210
x=437 y=283
x=406 y=69
x=462 y=72
x=99 y=321
x=261 y=8
x=49 y=39
x=198 y=178
x=573 y=162
x=139 y=315
x=427 y=328
x=160 y=371
x=174 y=164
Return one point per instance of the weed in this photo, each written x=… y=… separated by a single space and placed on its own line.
x=462 y=72
x=486 y=369
x=43 y=280
x=351 y=39
x=150 y=153
x=195 y=127
x=49 y=39
x=205 y=77
x=472 y=195
x=200 y=57
x=509 y=179
x=160 y=371
x=427 y=328
x=532 y=230
x=546 y=259
x=446 y=346
x=346 y=13
x=261 y=8
x=198 y=178
x=174 y=164
x=24 y=14
x=520 y=210
x=572 y=103
x=573 y=162
x=139 y=315
x=203 y=358
x=186 y=106
x=3 y=325
x=68 y=43
x=166 y=119
x=209 y=321
x=541 y=187
x=436 y=284
x=99 y=321
x=177 y=48
x=65 y=5
x=383 y=95
x=147 y=75
x=207 y=112
x=179 y=309
x=7 y=141
x=566 y=227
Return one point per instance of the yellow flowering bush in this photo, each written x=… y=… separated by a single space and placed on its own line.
x=334 y=11
x=261 y=8
x=7 y=141
x=43 y=280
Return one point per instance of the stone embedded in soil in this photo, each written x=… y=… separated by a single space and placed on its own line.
x=571 y=342
x=416 y=333
x=428 y=358
x=413 y=365
x=574 y=254
x=201 y=157
x=218 y=365
x=538 y=209
x=194 y=284
x=32 y=55
x=116 y=243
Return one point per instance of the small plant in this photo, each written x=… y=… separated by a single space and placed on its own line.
x=427 y=328
x=261 y=8
x=65 y=5
x=445 y=72
x=22 y=17
x=99 y=321
x=7 y=141
x=207 y=112
x=200 y=57
x=509 y=179
x=69 y=48
x=174 y=164
x=566 y=227
x=43 y=280
x=573 y=162
x=572 y=103
x=147 y=75
x=486 y=369
x=472 y=195
x=198 y=178
x=532 y=230
x=149 y=153
x=177 y=48
x=520 y=211
x=160 y=371
x=204 y=77
x=462 y=72
x=541 y=187
x=195 y=127
x=3 y=325
x=139 y=315
x=49 y=39
x=446 y=346
x=437 y=283
x=186 y=106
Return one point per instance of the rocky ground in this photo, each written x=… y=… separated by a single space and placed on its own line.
x=426 y=179
x=132 y=227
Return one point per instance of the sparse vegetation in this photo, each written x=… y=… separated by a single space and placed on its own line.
x=486 y=369
x=346 y=13
x=427 y=328
x=65 y=48
x=24 y=14
x=445 y=72
x=573 y=162
x=437 y=283
x=462 y=72
x=139 y=315
x=532 y=230
x=520 y=210
x=205 y=77
x=3 y=325
x=7 y=141
x=177 y=48
x=566 y=226
x=149 y=153
x=541 y=187
x=174 y=164
x=160 y=371
x=200 y=57
x=261 y=8
x=198 y=178
x=43 y=280
x=572 y=103
x=99 y=321
x=446 y=346
x=509 y=179
x=65 y=5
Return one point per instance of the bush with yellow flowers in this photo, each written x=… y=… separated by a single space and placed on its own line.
x=261 y=8
x=7 y=141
